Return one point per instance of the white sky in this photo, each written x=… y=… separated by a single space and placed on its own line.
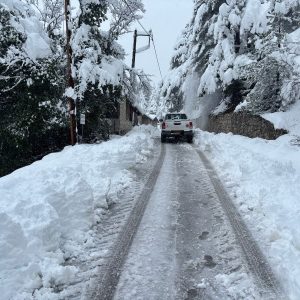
x=167 y=19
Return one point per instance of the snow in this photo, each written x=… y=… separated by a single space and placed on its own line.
x=37 y=42
x=150 y=269
x=209 y=46
x=291 y=87
x=242 y=61
x=255 y=17
x=208 y=80
x=190 y=94
x=36 y=45
x=263 y=179
x=48 y=209
x=229 y=283
x=200 y=13
x=221 y=108
x=287 y=120
x=89 y=70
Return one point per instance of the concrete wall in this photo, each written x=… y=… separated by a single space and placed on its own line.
x=243 y=123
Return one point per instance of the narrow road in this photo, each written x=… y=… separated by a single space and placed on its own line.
x=185 y=240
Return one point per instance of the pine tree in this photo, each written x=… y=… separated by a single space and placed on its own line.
x=32 y=102
x=230 y=50
x=33 y=120
x=99 y=93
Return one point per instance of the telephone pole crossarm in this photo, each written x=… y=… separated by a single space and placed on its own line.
x=135 y=51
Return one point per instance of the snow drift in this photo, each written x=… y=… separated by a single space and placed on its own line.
x=48 y=209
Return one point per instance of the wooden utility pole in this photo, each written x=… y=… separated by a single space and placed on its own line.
x=134 y=52
x=134 y=49
x=70 y=80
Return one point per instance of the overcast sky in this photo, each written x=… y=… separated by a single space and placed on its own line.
x=167 y=19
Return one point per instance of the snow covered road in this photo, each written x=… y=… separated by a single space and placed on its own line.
x=119 y=220
x=185 y=247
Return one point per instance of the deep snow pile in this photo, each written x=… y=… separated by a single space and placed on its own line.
x=263 y=178
x=48 y=209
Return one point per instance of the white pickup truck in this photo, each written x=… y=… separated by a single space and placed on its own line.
x=177 y=125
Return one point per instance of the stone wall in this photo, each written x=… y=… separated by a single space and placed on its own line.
x=125 y=122
x=244 y=123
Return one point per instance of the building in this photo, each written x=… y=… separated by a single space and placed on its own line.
x=128 y=116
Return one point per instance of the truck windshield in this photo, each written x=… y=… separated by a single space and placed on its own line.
x=176 y=117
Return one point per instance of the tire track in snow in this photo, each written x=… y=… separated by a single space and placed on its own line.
x=256 y=260
x=94 y=258
x=206 y=246
x=112 y=269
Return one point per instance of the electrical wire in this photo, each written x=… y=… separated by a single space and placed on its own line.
x=156 y=57
x=151 y=36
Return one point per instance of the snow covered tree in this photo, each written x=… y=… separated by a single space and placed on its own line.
x=136 y=86
x=51 y=14
x=96 y=71
x=31 y=88
x=123 y=14
x=99 y=70
x=265 y=77
x=33 y=63
x=235 y=54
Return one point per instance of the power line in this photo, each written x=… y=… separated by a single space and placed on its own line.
x=156 y=57
x=151 y=36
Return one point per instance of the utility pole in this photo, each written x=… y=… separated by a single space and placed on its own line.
x=134 y=52
x=134 y=49
x=70 y=80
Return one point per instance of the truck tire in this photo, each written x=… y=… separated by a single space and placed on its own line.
x=190 y=139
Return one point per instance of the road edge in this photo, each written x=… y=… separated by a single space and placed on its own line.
x=256 y=260
x=109 y=281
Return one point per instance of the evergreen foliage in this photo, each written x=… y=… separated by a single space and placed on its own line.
x=239 y=55
x=34 y=118
x=33 y=123
x=98 y=113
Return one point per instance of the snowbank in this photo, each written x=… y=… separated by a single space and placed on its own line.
x=288 y=120
x=263 y=178
x=48 y=209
